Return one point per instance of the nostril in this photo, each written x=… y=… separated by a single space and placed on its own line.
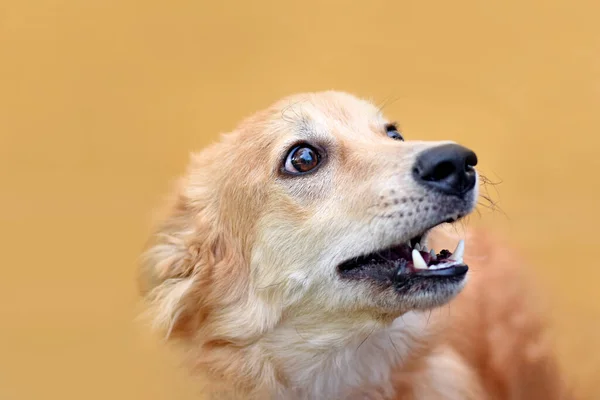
x=468 y=167
x=441 y=171
x=470 y=161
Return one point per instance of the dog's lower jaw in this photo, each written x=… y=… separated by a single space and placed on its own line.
x=334 y=360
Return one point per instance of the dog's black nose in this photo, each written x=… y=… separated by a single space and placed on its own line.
x=447 y=168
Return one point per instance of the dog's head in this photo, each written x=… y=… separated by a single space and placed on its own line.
x=315 y=207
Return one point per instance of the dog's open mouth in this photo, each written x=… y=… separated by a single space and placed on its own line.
x=410 y=259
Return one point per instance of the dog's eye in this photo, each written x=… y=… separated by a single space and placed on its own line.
x=392 y=131
x=302 y=159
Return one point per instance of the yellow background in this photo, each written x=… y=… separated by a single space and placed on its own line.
x=101 y=102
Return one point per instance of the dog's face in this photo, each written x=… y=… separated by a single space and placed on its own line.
x=351 y=201
x=315 y=206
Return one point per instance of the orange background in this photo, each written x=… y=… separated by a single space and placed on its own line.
x=101 y=102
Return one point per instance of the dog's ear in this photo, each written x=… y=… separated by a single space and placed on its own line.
x=167 y=273
x=188 y=264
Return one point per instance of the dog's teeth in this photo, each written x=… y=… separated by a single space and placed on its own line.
x=418 y=261
x=432 y=254
x=417 y=247
x=425 y=249
x=459 y=252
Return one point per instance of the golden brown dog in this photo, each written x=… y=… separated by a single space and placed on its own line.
x=295 y=263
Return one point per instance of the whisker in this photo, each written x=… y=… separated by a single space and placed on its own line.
x=271 y=285
x=487 y=181
x=290 y=107
x=388 y=101
x=395 y=348
x=365 y=339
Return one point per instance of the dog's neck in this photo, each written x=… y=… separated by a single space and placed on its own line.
x=299 y=360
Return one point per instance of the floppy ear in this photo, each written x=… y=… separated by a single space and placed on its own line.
x=183 y=265
x=197 y=263
x=192 y=265
x=170 y=268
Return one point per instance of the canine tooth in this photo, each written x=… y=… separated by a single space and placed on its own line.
x=458 y=253
x=432 y=254
x=417 y=247
x=418 y=261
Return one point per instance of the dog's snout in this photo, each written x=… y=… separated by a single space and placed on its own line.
x=447 y=168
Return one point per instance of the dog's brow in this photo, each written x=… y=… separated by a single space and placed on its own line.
x=290 y=113
x=304 y=127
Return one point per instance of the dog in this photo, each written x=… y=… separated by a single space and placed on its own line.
x=306 y=256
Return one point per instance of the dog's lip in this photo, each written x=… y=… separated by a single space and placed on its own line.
x=450 y=271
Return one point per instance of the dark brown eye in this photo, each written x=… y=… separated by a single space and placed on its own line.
x=392 y=131
x=302 y=159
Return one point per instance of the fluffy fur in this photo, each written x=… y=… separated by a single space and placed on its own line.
x=242 y=273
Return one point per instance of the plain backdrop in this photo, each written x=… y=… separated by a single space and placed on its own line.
x=101 y=103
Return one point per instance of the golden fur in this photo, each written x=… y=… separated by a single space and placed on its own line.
x=242 y=274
